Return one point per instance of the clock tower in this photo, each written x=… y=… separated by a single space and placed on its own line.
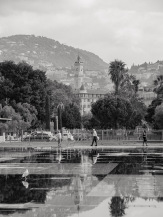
x=78 y=80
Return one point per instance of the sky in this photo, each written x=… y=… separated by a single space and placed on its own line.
x=127 y=30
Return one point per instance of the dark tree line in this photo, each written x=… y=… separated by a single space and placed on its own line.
x=27 y=91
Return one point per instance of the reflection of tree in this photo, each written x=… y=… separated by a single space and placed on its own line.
x=117 y=206
x=13 y=191
x=159 y=199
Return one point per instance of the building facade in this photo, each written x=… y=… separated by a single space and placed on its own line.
x=87 y=97
x=78 y=79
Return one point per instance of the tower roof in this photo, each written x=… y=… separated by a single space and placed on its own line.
x=78 y=59
x=82 y=87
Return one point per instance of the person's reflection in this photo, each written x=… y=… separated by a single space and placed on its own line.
x=144 y=150
x=59 y=155
x=94 y=155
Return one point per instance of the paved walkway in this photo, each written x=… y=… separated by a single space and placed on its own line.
x=82 y=144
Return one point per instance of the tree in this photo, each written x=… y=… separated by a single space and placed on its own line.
x=17 y=124
x=27 y=112
x=71 y=117
x=23 y=84
x=86 y=121
x=159 y=86
x=59 y=92
x=117 y=72
x=117 y=206
x=151 y=111
x=158 y=117
x=136 y=85
x=114 y=112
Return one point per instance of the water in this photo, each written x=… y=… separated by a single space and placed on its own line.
x=87 y=182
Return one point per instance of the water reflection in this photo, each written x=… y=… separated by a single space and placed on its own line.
x=65 y=182
x=117 y=206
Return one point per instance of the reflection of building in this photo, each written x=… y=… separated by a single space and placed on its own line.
x=78 y=190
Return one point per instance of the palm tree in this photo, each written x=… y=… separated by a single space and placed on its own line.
x=117 y=72
x=136 y=85
x=158 y=85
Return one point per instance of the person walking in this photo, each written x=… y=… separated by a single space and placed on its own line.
x=144 y=137
x=59 y=136
x=94 y=137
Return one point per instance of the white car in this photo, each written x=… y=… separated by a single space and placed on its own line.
x=67 y=136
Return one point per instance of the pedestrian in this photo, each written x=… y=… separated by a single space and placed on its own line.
x=59 y=136
x=94 y=137
x=144 y=138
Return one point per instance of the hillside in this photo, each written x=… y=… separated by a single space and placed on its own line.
x=147 y=72
x=44 y=52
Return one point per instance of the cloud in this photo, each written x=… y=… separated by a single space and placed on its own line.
x=129 y=30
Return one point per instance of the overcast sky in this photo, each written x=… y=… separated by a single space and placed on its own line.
x=129 y=30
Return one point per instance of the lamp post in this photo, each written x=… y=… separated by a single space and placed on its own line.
x=56 y=119
x=60 y=108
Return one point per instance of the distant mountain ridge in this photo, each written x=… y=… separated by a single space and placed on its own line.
x=45 y=52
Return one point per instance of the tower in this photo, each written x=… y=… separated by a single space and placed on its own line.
x=78 y=80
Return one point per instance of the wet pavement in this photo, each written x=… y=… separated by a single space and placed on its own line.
x=82 y=182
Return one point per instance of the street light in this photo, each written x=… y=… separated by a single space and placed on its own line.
x=60 y=107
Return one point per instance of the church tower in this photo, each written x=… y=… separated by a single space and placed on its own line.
x=78 y=80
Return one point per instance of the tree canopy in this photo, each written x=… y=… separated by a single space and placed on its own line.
x=116 y=112
x=21 y=120
x=158 y=117
x=23 y=84
x=33 y=97
x=158 y=83
x=151 y=111
x=60 y=93
x=71 y=116
x=117 y=72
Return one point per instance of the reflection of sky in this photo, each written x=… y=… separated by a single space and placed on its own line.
x=142 y=208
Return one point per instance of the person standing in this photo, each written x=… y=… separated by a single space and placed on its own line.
x=144 y=138
x=59 y=136
x=94 y=137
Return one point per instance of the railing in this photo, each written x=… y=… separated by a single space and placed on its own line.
x=109 y=134
x=119 y=134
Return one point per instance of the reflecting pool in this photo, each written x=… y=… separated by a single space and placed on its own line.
x=82 y=182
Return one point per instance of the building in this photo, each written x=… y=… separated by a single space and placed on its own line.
x=147 y=96
x=79 y=75
x=87 y=97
